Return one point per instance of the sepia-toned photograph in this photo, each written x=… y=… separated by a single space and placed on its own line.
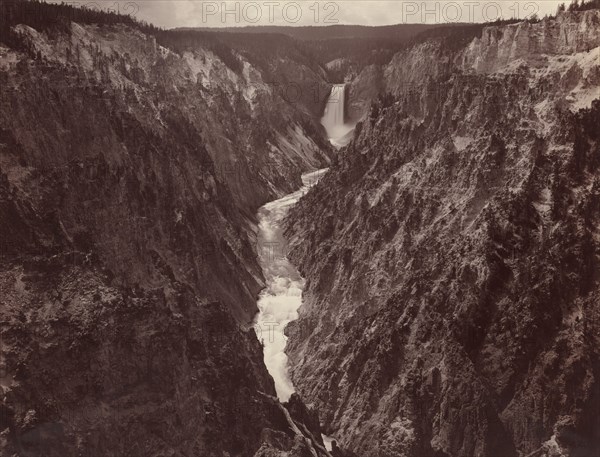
x=300 y=228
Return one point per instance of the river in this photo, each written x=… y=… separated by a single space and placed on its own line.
x=279 y=301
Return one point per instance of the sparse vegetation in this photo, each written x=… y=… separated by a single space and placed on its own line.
x=54 y=19
x=575 y=5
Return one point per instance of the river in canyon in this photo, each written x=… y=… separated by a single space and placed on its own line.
x=279 y=301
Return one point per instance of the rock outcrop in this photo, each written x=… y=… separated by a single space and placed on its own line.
x=452 y=254
x=537 y=46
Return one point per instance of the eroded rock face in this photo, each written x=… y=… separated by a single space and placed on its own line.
x=452 y=253
x=569 y=33
x=92 y=368
x=539 y=47
x=129 y=177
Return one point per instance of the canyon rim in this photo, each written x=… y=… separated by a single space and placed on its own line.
x=325 y=229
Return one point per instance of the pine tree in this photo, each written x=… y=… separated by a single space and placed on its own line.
x=574 y=6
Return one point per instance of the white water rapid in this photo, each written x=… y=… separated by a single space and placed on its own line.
x=338 y=131
x=279 y=301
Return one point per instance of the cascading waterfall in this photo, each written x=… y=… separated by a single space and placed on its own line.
x=338 y=131
x=334 y=110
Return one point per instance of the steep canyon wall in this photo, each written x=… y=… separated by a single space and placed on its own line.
x=129 y=179
x=452 y=252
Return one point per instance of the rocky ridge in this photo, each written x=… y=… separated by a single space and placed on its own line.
x=535 y=46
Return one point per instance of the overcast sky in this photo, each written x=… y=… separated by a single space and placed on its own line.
x=199 y=13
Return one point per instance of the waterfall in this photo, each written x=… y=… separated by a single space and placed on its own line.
x=334 y=110
x=333 y=118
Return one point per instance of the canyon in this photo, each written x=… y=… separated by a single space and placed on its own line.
x=178 y=279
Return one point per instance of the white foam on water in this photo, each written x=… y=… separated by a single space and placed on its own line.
x=328 y=440
x=279 y=301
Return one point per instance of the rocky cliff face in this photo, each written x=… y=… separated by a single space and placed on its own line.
x=539 y=47
x=129 y=176
x=452 y=254
x=498 y=47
